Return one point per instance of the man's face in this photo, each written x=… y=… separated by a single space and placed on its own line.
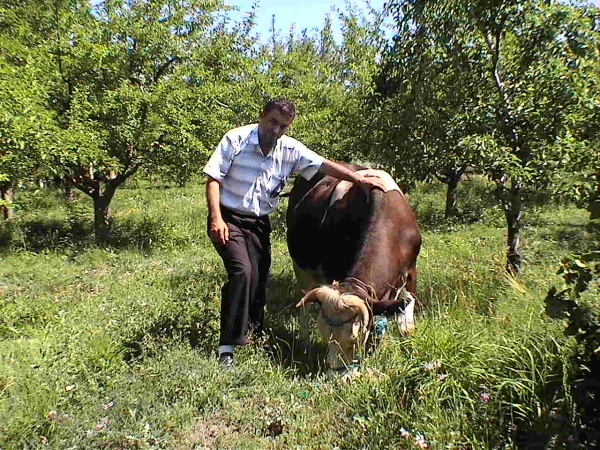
x=272 y=126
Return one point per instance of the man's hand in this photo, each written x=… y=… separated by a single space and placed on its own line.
x=370 y=182
x=218 y=231
x=336 y=170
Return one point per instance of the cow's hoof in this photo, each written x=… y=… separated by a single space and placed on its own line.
x=350 y=375
x=407 y=328
x=346 y=375
x=406 y=319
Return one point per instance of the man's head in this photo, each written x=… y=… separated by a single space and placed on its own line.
x=282 y=104
x=275 y=118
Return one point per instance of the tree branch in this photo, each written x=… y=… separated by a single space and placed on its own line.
x=223 y=105
x=494 y=43
x=84 y=184
x=161 y=70
x=443 y=178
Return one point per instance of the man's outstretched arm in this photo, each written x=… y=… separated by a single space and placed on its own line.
x=338 y=171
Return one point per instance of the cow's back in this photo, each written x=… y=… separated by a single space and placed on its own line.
x=322 y=237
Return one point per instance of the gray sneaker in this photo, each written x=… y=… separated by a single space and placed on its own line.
x=226 y=361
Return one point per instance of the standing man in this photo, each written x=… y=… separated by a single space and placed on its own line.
x=246 y=174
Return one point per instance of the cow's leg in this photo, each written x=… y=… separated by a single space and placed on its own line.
x=305 y=279
x=411 y=280
x=406 y=318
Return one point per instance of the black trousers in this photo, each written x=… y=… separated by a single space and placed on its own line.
x=247 y=260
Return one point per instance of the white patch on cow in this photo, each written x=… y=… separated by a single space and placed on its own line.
x=339 y=191
x=344 y=186
x=388 y=182
x=406 y=319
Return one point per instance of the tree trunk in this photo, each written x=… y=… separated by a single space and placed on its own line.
x=102 y=220
x=452 y=195
x=7 y=195
x=594 y=209
x=451 y=176
x=69 y=192
x=594 y=206
x=512 y=203
x=101 y=193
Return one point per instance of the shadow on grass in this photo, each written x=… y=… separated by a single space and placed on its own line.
x=477 y=200
x=40 y=235
x=53 y=235
x=302 y=351
x=191 y=317
x=195 y=319
x=570 y=237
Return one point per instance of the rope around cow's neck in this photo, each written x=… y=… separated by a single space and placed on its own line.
x=355 y=282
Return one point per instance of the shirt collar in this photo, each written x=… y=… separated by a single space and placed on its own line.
x=253 y=138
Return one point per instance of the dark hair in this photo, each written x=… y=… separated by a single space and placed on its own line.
x=285 y=106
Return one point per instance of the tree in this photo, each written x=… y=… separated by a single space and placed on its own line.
x=327 y=80
x=117 y=84
x=429 y=98
x=22 y=131
x=25 y=124
x=527 y=62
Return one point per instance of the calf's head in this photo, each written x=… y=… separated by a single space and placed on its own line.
x=343 y=323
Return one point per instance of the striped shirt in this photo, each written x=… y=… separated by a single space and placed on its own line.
x=250 y=181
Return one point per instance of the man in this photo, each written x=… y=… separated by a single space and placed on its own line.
x=246 y=174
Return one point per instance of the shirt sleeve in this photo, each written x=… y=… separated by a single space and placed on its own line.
x=307 y=162
x=220 y=161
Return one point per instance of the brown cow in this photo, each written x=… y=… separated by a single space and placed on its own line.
x=355 y=253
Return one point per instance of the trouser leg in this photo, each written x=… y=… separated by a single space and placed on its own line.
x=247 y=260
x=259 y=252
x=235 y=293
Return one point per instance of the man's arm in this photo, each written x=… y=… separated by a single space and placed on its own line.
x=338 y=171
x=218 y=230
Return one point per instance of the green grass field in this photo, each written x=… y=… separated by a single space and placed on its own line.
x=114 y=347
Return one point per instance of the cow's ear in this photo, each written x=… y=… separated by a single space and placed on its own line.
x=304 y=291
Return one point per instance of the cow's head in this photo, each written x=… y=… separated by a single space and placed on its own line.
x=343 y=323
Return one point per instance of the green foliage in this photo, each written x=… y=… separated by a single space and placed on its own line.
x=24 y=124
x=478 y=203
x=581 y=182
x=114 y=80
x=492 y=85
x=327 y=81
x=577 y=303
x=501 y=87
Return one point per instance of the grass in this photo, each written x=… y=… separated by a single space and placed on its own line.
x=114 y=347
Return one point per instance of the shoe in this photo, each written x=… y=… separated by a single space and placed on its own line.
x=226 y=361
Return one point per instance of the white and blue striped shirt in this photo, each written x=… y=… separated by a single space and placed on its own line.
x=251 y=182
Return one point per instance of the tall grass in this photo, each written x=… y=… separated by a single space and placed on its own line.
x=114 y=347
